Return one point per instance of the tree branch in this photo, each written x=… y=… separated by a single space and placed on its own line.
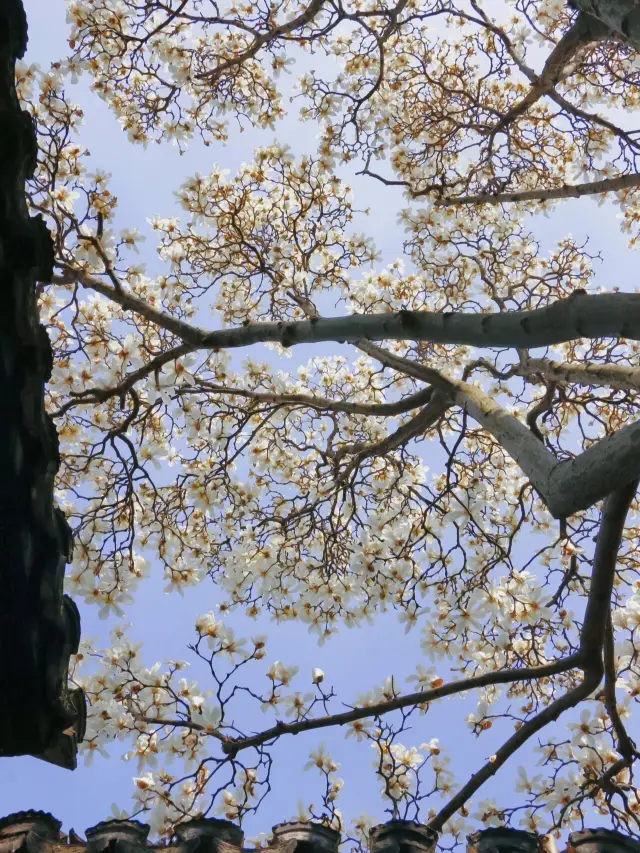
x=416 y=426
x=579 y=34
x=399 y=407
x=607 y=185
x=567 y=487
x=578 y=483
x=609 y=375
x=501 y=677
x=615 y=315
x=589 y=659
x=189 y=334
x=591 y=647
x=303 y=19
x=548 y=715
x=608 y=542
x=99 y=395
x=626 y=747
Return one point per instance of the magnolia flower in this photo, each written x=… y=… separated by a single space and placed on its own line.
x=321 y=759
x=111 y=602
x=582 y=731
x=119 y=814
x=432 y=746
x=89 y=749
x=178 y=371
x=317 y=676
x=281 y=673
x=127 y=351
x=425 y=677
x=208 y=718
x=298 y=704
x=131 y=237
x=357 y=729
x=144 y=782
x=524 y=783
x=229 y=806
x=64 y=197
x=471 y=502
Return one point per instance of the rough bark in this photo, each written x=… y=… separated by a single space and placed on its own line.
x=39 y=626
x=621 y=16
x=577 y=484
x=567 y=486
x=605 y=315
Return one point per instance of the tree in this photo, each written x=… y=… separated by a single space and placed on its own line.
x=307 y=495
x=38 y=624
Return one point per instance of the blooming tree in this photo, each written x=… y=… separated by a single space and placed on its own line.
x=436 y=466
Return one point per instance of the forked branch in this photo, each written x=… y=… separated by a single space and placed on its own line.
x=589 y=659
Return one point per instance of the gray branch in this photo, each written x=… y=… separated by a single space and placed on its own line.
x=618 y=376
x=602 y=315
x=606 y=185
x=569 y=486
x=608 y=315
x=566 y=487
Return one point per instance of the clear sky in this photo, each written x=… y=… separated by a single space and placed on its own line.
x=355 y=660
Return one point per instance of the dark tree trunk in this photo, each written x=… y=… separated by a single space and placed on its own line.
x=39 y=626
x=620 y=16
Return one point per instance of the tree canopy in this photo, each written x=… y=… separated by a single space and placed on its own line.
x=469 y=454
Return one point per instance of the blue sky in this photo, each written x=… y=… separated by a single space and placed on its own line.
x=355 y=660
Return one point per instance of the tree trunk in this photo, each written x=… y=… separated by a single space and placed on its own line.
x=39 y=626
x=621 y=16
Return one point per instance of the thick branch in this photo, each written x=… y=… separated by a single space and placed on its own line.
x=592 y=636
x=615 y=315
x=414 y=427
x=626 y=746
x=581 y=33
x=99 y=395
x=612 y=521
x=589 y=659
x=399 y=407
x=501 y=677
x=577 y=484
x=602 y=315
x=518 y=440
x=548 y=715
x=607 y=185
x=261 y=40
x=189 y=334
x=608 y=375
x=567 y=487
